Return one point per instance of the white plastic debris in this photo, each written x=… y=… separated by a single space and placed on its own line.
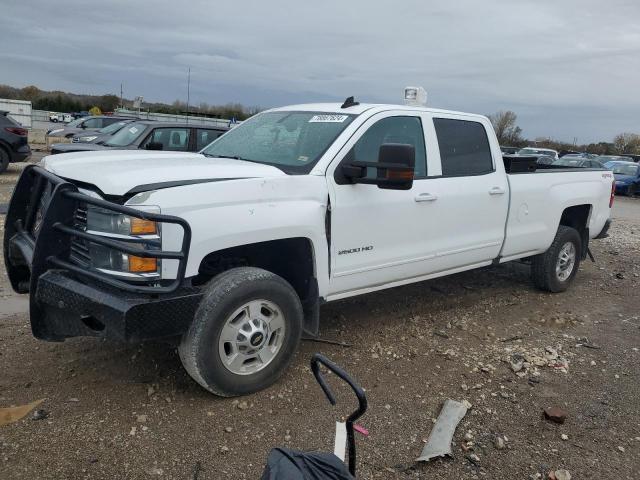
x=439 y=442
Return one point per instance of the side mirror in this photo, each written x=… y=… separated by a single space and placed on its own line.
x=83 y=126
x=154 y=146
x=395 y=166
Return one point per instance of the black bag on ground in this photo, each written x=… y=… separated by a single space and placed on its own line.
x=286 y=464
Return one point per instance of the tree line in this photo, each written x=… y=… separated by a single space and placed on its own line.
x=58 y=101
x=504 y=122
x=510 y=134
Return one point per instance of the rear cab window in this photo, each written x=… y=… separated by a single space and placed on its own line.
x=464 y=147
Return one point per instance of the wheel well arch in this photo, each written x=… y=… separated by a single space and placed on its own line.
x=291 y=258
x=577 y=217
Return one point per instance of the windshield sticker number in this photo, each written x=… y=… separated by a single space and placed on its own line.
x=328 y=119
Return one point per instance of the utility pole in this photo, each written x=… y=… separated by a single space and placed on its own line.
x=121 y=102
x=188 y=92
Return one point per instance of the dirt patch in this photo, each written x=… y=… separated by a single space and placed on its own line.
x=118 y=411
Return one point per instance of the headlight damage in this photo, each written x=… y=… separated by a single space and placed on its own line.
x=125 y=229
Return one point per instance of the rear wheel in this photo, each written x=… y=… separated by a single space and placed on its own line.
x=555 y=269
x=4 y=160
x=244 y=334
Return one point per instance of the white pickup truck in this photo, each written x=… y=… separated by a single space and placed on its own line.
x=233 y=250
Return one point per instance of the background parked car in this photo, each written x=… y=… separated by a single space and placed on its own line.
x=102 y=135
x=578 y=155
x=606 y=159
x=627 y=176
x=509 y=150
x=150 y=135
x=578 y=162
x=84 y=124
x=60 y=117
x=538 y=151
x=545 y=160
x=14 y=146
x=633 y=156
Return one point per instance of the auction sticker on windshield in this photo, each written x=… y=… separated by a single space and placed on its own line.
x=328 y=118
x=133 y=130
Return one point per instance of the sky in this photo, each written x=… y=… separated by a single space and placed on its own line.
x=570 y=69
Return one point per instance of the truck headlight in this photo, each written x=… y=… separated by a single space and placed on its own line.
x=131 y=231
x=109 y=222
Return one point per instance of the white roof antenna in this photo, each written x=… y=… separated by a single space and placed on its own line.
x=415 y=96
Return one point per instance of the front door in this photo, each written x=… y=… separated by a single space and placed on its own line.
x=377 y=235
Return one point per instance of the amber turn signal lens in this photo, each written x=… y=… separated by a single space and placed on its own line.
x=142 y=265
x=400 y=174
x=140 y=226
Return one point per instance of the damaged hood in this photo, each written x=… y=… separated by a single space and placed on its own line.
x=122 y=171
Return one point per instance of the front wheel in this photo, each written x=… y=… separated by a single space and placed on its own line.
x=244 y=334
x=632 y=190
x=555 y=269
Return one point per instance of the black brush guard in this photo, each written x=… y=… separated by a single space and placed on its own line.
x=39 y=231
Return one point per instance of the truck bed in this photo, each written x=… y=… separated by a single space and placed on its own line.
x=536 y=203
x=515 y=164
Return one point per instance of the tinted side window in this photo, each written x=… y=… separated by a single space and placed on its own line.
x=204 y=137
x=405 y=130
x=464 y=147
x=172 y=139
x=93 y=123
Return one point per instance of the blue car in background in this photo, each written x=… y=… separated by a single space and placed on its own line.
x=627 y=176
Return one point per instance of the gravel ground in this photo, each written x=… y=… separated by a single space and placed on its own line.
x=119 y=411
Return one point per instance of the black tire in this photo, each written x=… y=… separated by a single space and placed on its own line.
x=632 y=191
x=199 y=351
x=4 y=160
x=543 y=266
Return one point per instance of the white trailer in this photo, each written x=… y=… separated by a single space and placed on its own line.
x=19 y=110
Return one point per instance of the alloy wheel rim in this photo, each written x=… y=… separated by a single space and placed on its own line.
x=566 y=261
x=252 y=337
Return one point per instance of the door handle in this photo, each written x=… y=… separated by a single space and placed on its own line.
x=425 y=197
x=496 y=191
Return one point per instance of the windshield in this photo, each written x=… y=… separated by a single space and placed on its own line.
x=622 y=169
x=291 y=141
x=113 y=128
x=126 y=136
x=76 y=122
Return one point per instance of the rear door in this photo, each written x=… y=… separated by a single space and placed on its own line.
x=467 y=227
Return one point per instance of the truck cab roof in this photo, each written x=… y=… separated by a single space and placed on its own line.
x=372 y=108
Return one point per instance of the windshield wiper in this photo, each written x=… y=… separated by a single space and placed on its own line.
x=233 y=157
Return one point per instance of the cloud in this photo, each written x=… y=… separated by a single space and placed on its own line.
x=567 y=68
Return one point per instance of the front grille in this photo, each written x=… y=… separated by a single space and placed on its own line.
x=57 y=241
x=79 y=246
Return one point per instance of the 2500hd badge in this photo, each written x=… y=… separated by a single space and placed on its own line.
x=356 y=250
